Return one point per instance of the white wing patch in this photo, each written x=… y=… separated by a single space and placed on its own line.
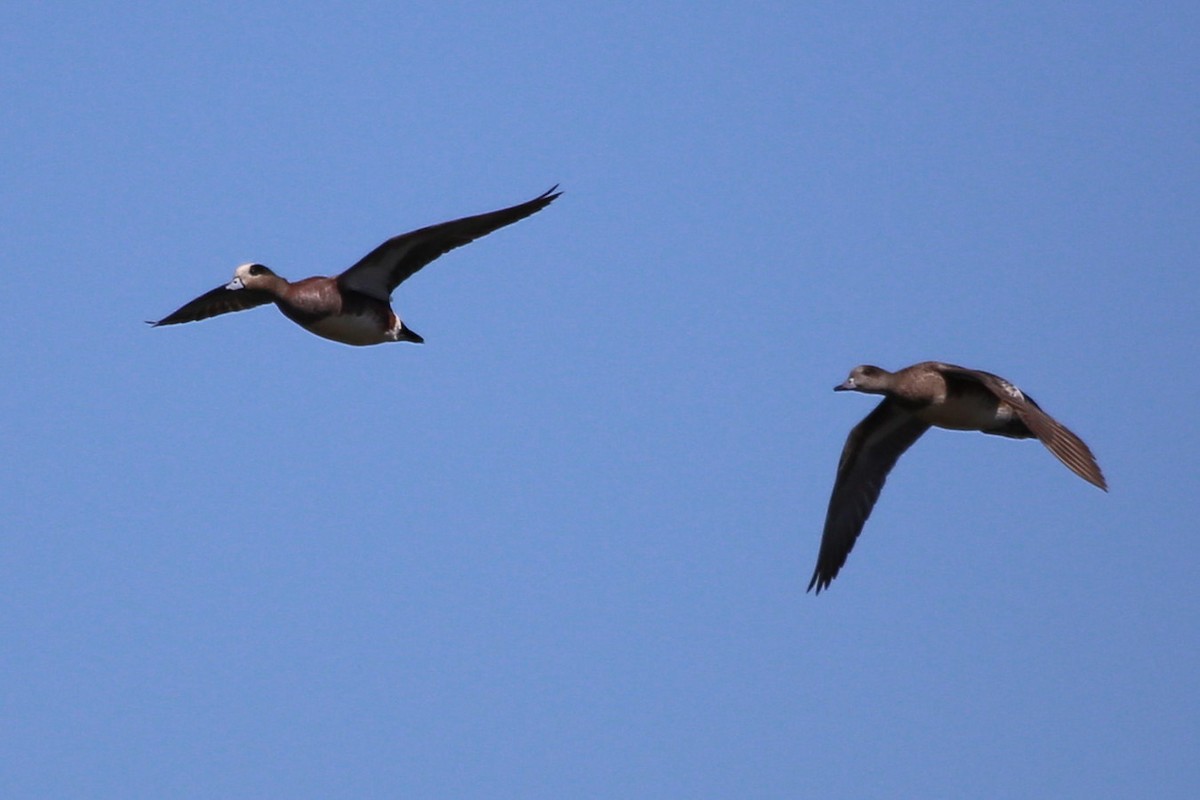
x=1010 y=390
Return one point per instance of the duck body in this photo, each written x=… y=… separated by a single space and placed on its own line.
x=320 y=306
x=938 y=398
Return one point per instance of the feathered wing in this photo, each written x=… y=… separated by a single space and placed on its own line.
x=379 y=272
x=218 y=301
x=871 y=451
x=1058 y=439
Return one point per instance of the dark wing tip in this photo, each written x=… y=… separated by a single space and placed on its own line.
x=1066 y=446
x=213 y=303
x=1087 y=467
x=818 y=580
x=187 y=313
x=541 y=201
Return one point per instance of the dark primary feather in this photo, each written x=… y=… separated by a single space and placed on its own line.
x=871 y=451
x=1065 y=445
x=387 y=266
x=218 y=301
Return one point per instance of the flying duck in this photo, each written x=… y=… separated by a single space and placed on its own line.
x=354 y=307
x=927 y=394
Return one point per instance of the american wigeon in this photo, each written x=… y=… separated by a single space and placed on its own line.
x=915 y=398
x=354 y=307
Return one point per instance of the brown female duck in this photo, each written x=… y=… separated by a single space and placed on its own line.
x=915 y=398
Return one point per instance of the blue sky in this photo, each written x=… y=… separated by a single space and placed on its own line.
x=560 y=549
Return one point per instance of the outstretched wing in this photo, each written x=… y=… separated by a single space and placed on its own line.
x=219 y=301
x=391 y=263
x=871 y=451
x=1058 y=439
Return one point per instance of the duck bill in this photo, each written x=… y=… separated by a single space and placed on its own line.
x=845 y=386
x=236 y=283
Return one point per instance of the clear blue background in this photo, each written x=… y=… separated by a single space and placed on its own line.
x=561 y=549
